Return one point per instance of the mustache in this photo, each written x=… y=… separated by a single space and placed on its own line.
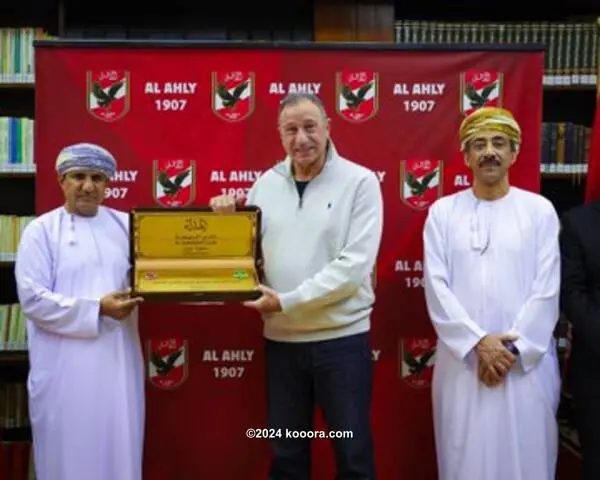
x=489 y=160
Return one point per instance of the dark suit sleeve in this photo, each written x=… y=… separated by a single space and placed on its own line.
x=577 y=301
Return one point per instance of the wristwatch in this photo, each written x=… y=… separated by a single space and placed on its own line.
x=510 y=346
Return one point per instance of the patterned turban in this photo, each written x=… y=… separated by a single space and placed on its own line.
x=489 y=118
x=85 y=156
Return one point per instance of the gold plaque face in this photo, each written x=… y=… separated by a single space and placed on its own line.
x=195 y=254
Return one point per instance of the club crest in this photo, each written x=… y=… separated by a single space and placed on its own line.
x=417 y=357
x=108 y=94
x=174 y=182
x=421 y=182
x=233 y=95
x=357 y=95
x=480 y=88
x=167 y=362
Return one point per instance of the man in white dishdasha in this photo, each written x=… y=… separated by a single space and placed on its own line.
x=492 y=282
x=86 y=379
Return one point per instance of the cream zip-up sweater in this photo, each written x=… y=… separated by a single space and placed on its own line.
x=319 y=250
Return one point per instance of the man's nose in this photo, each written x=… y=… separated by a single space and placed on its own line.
x=88 y=185
x=489 y=149
x=301 y=136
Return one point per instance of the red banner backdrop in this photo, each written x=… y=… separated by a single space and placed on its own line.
x=204 y=118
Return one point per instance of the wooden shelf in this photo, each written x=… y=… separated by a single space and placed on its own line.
x=13 y=170
x=4 y=174
x=17 y=85
x=14 y=356
x=14 y=365
x=20 y=434
x=573 y=87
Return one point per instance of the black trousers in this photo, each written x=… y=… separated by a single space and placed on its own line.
x=335 y=375
x=588 y=429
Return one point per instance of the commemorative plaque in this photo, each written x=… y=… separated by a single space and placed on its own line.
x=195 y=254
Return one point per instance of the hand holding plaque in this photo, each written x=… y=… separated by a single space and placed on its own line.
x=195 y=254
x=268 y=302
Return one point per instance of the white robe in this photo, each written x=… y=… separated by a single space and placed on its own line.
x=86 y=381
x=494 y=267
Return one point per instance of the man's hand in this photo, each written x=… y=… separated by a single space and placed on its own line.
x=488 y=376
x=495 y=361
x=118 y=305
x=224 y=203
x=267 y=303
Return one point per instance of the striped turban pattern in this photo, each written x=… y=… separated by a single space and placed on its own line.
x=489 y=119
x=86 y=156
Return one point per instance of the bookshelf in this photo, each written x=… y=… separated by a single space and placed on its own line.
x=570 y=87
x=17 y=206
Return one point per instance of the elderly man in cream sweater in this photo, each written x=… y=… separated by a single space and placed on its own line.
x=322 y=227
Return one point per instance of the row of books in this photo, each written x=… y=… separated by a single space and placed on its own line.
x=11 y=228
x=13 y=329
x=17 y=64
x=571 y=56
x=565 y=147
x=14 y=411
x=16 y=457
x=16 y=141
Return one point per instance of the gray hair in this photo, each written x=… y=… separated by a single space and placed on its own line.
x=292 y=99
